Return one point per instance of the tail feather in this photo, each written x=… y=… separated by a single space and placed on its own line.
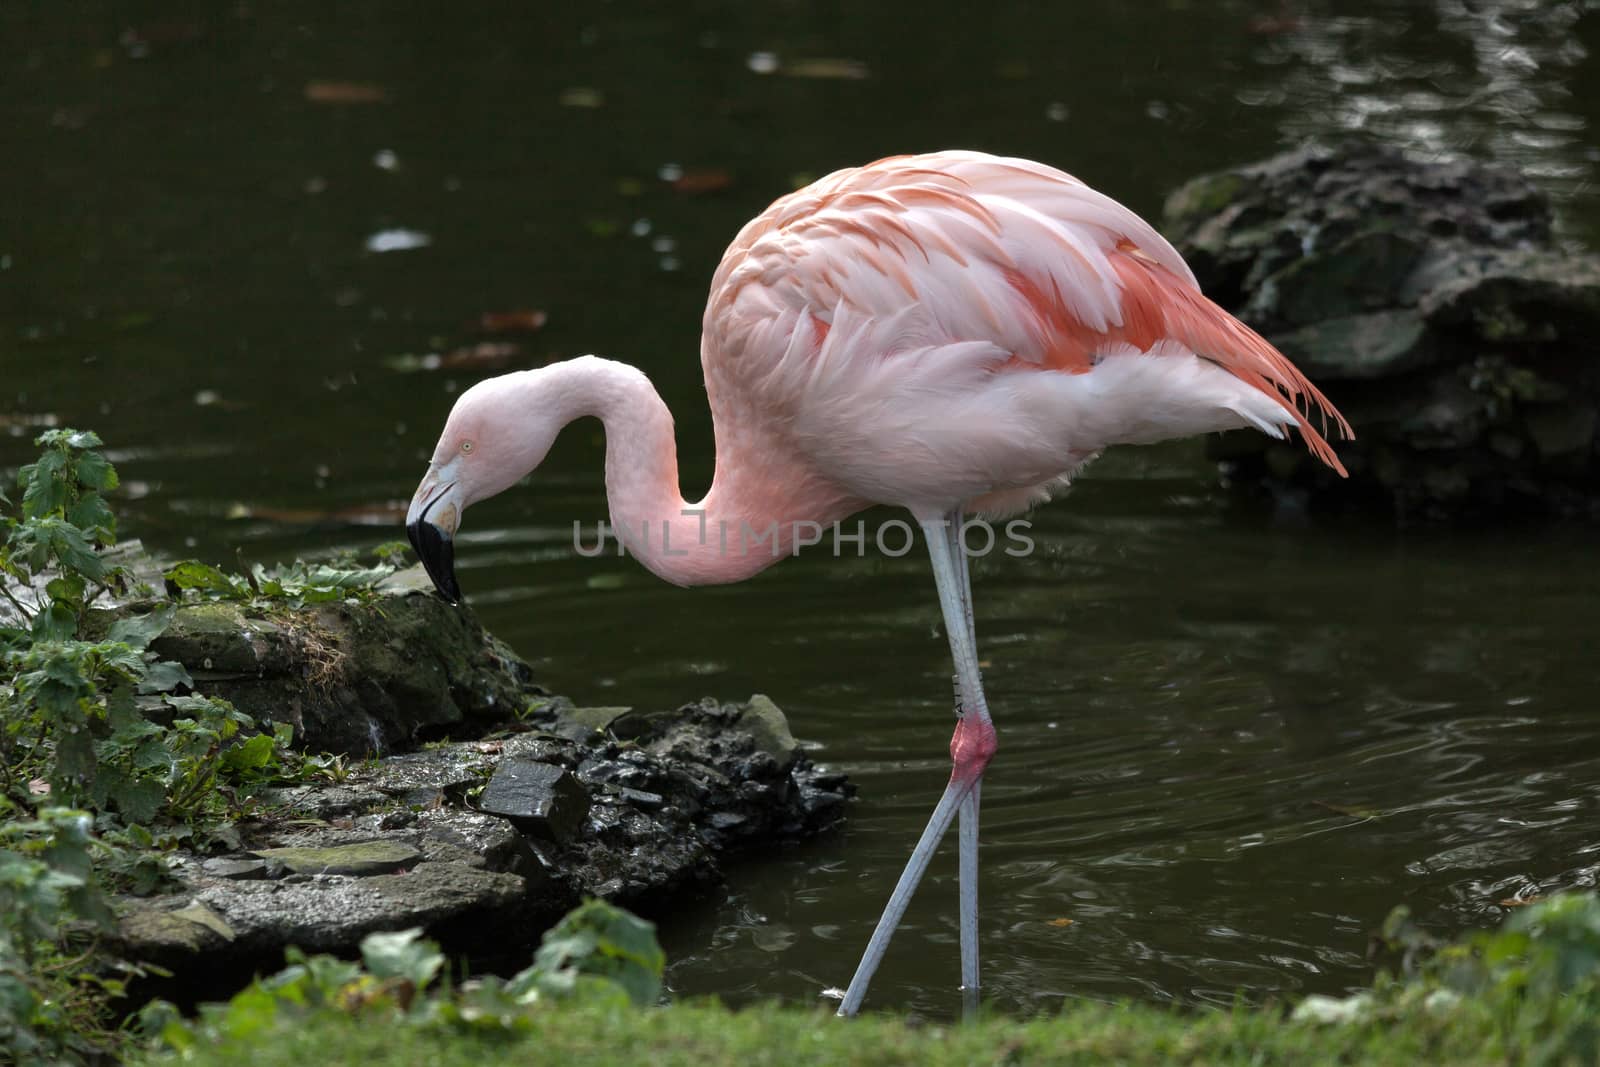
x=1157 y=304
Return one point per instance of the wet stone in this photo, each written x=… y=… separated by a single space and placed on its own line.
x=769 y=728
x=594 y=720
x=362 y=858
x=394 y=844
x=641 y=799
x=237 y=867
x=540 y=798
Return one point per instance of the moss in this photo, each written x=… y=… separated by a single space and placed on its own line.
x=362 y=858
x=1202 y=197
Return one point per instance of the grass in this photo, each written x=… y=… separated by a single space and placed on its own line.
x=705 y=1034
x=1528 y=992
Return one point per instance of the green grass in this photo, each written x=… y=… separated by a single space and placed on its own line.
x=1528 y=992
x=706 y=1035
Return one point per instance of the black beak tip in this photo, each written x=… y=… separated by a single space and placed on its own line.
x=438 y=556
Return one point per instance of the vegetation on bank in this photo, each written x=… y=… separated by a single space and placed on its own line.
x=108 y=754
x=1529 y=992
x=110 y=757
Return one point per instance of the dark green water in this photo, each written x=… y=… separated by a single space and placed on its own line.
x=1229 y=741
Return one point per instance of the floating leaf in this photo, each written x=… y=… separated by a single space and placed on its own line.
x=521 y=321
x=694 y=182
x=844 y=69
x=1348 y=809
x=333 y=92
x=581 y=96
x=485 y=354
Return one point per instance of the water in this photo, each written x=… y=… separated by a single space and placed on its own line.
x=1230 y=740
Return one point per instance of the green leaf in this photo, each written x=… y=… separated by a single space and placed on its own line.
x=164 y=677
x=75 y=760
x=46 y=485
x=121 y=711
x=49 y=535
x=68 y=587
x=92 y=514
x=602 y=940
x=250 y=755
x=140 y=799
x=56 y=623
x=192 y=574
x=66 y=437
x=402 y=954
x=139 y=630
x=96 y=472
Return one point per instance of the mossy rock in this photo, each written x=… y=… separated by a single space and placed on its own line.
x=1429 y=300
x=364 y=676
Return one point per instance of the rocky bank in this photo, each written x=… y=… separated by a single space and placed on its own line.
x=473 y=803
x=1435 y=305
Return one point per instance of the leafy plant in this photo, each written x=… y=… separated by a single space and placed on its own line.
x=63 y=517
x=1538 y=976
x=95 y=722
x=599 y=941
x=51 y=998
x=296 y=584
x=598 y=951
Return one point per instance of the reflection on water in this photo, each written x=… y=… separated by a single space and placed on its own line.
x=261 y=250
x=1493 y=79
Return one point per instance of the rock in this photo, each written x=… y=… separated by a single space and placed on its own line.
x=770 y=729
x=1376 y=344
x=1357 y=275
x=170 y=929
x=359 y=859
x=540 y=798
x=434 y=776
x=638 y=805
x=237 y=867
x=330 y=913
x=359 y=677
x=1430 y=301
x=595 y=719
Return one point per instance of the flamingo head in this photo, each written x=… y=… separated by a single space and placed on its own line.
x=498 y=432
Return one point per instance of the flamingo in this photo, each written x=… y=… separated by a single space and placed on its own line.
x=953 y=333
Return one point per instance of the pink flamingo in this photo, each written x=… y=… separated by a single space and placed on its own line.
x=954 y=333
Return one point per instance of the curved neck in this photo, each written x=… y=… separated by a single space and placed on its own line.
x=762 y=503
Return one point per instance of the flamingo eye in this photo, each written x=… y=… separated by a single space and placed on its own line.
x=466 y=446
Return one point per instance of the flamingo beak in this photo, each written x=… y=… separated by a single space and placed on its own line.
x=431 y=526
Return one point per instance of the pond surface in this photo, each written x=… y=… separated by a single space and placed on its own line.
x=1230 y=740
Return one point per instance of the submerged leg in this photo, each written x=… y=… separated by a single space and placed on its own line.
x=968 y=836
x=970 y=751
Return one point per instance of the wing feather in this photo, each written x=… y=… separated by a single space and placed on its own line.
x=1008 y=252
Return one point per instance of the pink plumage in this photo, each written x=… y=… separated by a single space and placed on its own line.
x=959 y=328
x=953 y=333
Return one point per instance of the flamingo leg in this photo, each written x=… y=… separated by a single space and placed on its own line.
x=968 y=837
x=970 y=751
